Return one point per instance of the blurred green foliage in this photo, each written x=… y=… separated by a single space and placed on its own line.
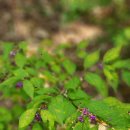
x=56 y=85
x=52 y=85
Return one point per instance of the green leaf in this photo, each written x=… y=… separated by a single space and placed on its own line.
x=17 y=110
x=82 y=45
x=62 y=77
x=112 y=111
x=38 y=100
x=69 y=66
x=127 y=32
x=5 y=115
x=71 y=119
x=37 y=82
x=9 y=82
x=96 y=81
x=79 y=97
x=47 y=91
x=119 y=39
x=47 y=58
x=122 y=64
x=37 y=126
x=112 y=76
x=7 y=47
x=27 y=117
x=61 y=109
x=56 y=68
x=94 y=128
x=78 y=94
x=47 y=116
x=28 y=88
x=112 y=54
x=21 y=73
x=91 y=59
x=2 y=127
x=73 y=83
x=31 y=71
x=39 y=64
x=23 y=46
x=20 y=60
x=81 y=54
x=126 y=77
x=82 y=126
x=49 y=76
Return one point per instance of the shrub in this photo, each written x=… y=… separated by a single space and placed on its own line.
x=50 y=92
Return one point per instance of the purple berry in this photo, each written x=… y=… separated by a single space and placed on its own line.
x=85 y=111
x=19 y=85
x=100 y=66
x=80 y=118
x=93 y=119
x=38 y=117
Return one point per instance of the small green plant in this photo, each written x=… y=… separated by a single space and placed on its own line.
x=50 y=92
x=72 y=9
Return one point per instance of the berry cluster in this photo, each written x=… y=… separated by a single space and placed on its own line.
x=85 y=113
